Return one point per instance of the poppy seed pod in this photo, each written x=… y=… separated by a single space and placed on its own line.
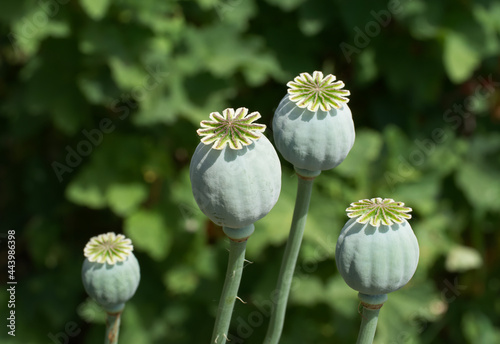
x=110 y=272
x=235 y=171
x=313 y=127
x=377 y=251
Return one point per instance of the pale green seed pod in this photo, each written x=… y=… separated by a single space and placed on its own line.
x=312 y=126
x=377 y=251
x=235 y=171
x=110 y=272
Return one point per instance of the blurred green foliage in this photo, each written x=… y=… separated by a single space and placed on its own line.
x=99 y=103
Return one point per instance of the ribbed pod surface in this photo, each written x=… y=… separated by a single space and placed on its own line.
x=111 y=285
x=235 y=188
x=376 y=260
x=313 y=141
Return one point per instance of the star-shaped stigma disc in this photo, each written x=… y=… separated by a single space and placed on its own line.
x=108 y=248
x=378 y=211
x=317 y=92
x=235 y=128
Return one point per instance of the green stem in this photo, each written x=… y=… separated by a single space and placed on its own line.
x=112 y=327
x=290 y=256
x=371 y=308
x=230 y=291
x=368 y=326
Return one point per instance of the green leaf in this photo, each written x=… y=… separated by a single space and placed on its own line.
x=275 y=227
x=72 y=103
x=222 y=52
x=406 y=313
x=42 y=246
x=442 y=157
x=126 y=198
x=98 y=87
x=286 y=5
x=89 y=189
x=128 y=75
x=153 y=13
x=110 y=40
x=367 y=69
x=157 y=109
x=460 y=58
x=432 y=232
x=28 y=33
x=236 y=12
x=133 y=328
x=149 y=233
x=11 y=11
x=366 y=149
x=91 y=312
x=306 y=289
x=487 y=17
x=399 y=167
x=420 y=195
x=478 y=175
x=343 y=300
x=478 y=329
x=258 y=70
x=48 y=92
x=181 y=280
x=96 y=9
x=481 y=187
x=400 y=74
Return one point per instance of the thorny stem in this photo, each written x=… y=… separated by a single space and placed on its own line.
x=229 y=291
x=112 y=327
x=290 y=258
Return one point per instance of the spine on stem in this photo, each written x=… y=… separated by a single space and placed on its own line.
x=236 y=180
x=230 y=290
x=314 y=131
x=290 y=259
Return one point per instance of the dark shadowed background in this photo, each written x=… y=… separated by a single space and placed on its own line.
x=99 y=104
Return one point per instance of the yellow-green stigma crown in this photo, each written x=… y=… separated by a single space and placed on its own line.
x=317 y=92
x=378 y=211
x=233 y=128
x=108 y=248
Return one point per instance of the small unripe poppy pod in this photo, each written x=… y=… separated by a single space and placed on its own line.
x=110 y=272
x=235 y=171
x=312 y=126
x=377 y=251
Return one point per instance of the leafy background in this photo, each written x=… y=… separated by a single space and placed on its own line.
x=138 y=76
